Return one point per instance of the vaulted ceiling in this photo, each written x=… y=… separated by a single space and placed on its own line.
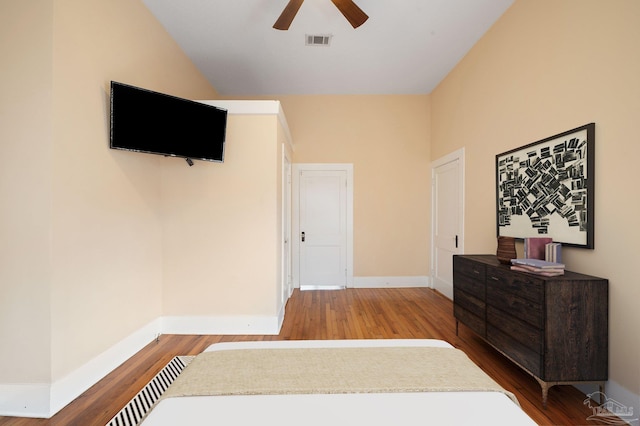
x=405 y=47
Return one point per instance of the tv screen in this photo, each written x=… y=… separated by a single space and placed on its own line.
x=156 y=123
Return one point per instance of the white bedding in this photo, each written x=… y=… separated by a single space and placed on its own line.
x=416 y=408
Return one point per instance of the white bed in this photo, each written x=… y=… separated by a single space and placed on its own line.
x=371 y=408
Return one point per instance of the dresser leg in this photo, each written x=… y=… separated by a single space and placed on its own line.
x=456 y=327
x=545 y=389
x=545 y=394
x=601 y=389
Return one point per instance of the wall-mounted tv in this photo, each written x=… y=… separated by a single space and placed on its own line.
x=146 y=121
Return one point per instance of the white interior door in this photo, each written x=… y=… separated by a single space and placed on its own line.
x=323 y=239
x=323 y=217
x=447 y=176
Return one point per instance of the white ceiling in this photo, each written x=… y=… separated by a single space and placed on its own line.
x=405 y=47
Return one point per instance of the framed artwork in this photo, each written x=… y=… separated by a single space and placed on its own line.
x=545 y=189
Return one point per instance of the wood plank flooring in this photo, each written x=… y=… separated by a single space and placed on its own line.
x=339 y=314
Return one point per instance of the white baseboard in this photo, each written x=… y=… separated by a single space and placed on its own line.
x=624 y=397
x=248 y=325
x=43 y=400
x=390 y=282
x=25 y=400
x=67 y=389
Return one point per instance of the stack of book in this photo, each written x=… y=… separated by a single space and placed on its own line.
x=553 y=252
x=538 y=267
x=534 y=247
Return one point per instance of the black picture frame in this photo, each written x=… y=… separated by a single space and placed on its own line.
x=546 y=189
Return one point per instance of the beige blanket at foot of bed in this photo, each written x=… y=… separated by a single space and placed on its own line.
x=331 y=371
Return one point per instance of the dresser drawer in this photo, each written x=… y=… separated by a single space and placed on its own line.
x=501 y=297
x=469 y=302
x=525 y=357
x=520 y=331
x=468 y=267
x=519 y=284
x=469 y=285
x=474 y=322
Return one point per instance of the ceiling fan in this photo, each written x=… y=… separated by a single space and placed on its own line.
x=349 y=9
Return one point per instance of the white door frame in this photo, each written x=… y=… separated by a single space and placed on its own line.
x=295 y=228
x=459 y=156
x=287 y=286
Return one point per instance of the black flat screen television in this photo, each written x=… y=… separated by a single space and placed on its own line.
x=146 y=121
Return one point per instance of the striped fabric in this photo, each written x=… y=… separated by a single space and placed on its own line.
x=133 y=413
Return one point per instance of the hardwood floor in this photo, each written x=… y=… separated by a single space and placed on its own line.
x=339 y=314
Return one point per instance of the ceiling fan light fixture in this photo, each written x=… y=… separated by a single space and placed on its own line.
x=351 y=12
x=348 y=8
x=286 y=17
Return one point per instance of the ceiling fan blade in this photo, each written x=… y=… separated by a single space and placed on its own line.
x=352 y=12
x=287 y=15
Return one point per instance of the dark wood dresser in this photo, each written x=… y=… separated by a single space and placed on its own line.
x=555 y=328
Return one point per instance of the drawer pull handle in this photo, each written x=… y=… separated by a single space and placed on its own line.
x=475 y=271
x=494 y=278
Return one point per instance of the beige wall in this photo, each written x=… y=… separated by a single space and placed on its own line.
x=25 y=190
x=81 y=263
x=220 y=226
x=387 y=139
x=106 y=232
x=548 y=66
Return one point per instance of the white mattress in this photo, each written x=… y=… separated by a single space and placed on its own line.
x=418 y=408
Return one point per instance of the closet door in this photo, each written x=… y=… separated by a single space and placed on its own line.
x=447 y=225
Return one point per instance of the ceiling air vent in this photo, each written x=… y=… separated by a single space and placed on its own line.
x=317 y=40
